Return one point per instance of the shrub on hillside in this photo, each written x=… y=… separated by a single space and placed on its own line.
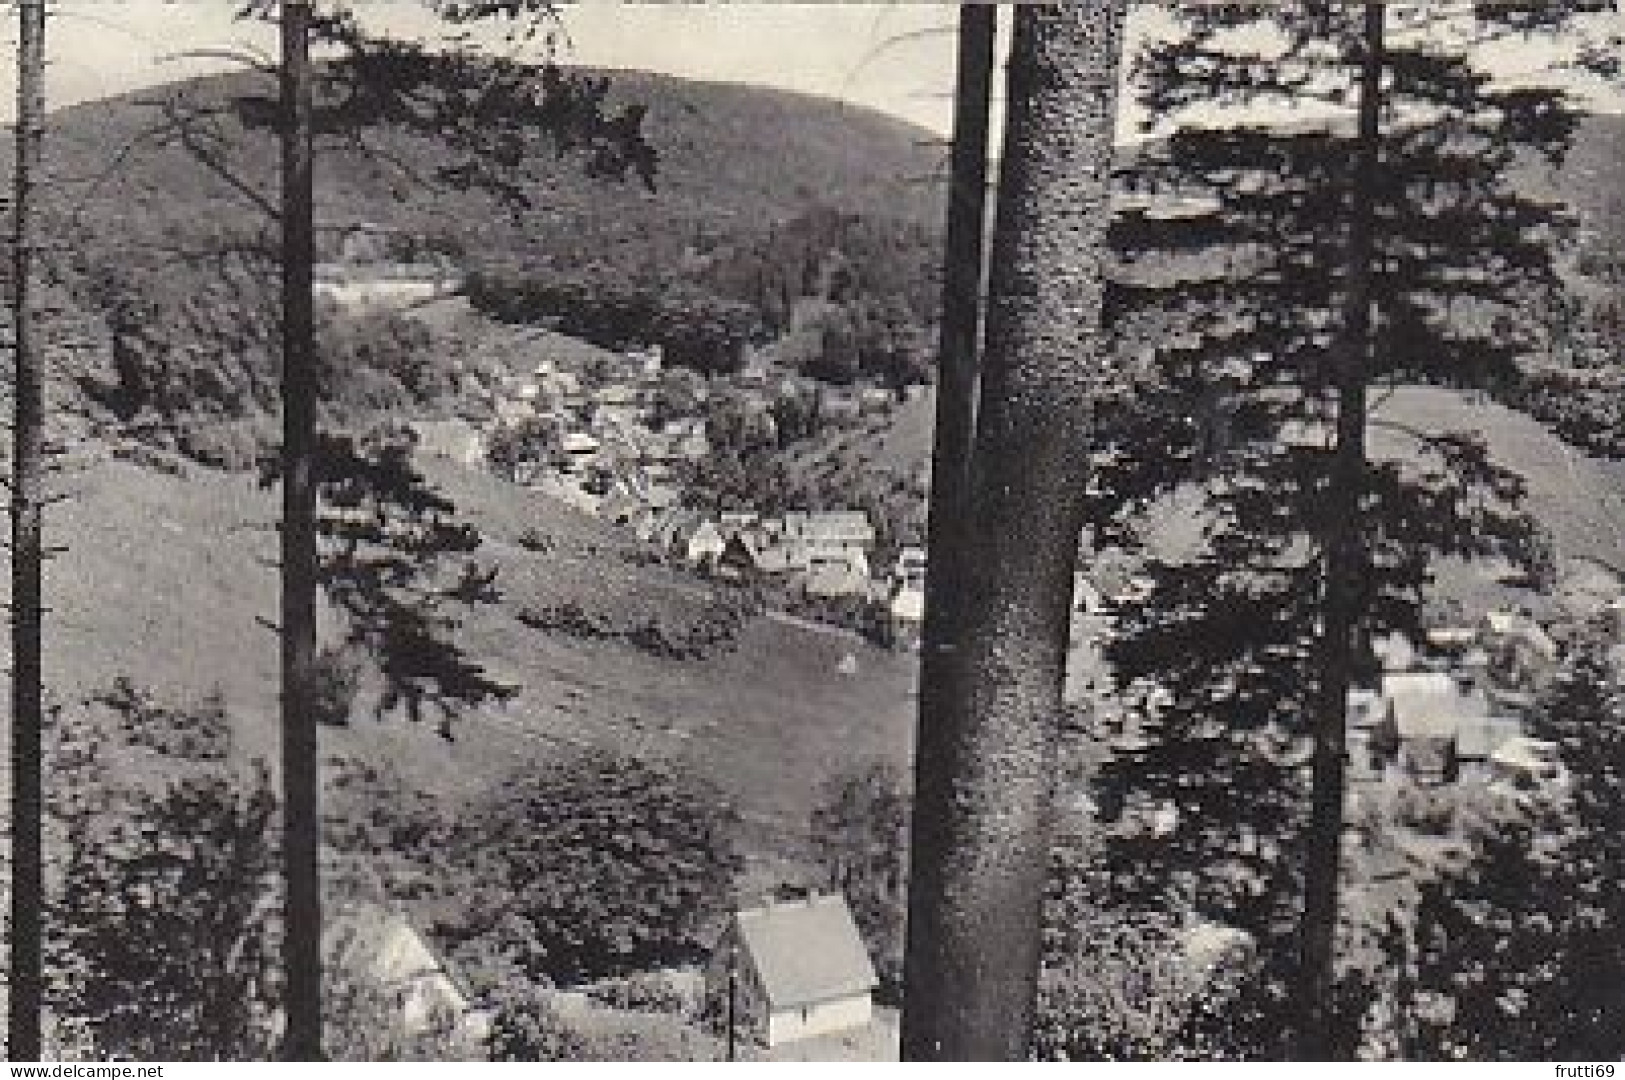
x=599 y=865
x=336 y=677
x=166 y=922
x=197 y=732
x=646 y=992
x=713 y=629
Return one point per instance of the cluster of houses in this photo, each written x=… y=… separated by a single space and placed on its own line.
x=610 y=458
x=823 y=553
x=1451 y=710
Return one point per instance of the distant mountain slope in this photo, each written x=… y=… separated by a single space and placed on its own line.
x=163 y=201
x=1581 y=499
x=731 y=157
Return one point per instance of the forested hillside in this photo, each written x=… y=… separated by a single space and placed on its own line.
x=164 y=197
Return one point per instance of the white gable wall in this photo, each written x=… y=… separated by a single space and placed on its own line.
x=823 y=1018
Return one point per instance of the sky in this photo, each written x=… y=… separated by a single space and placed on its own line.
x=897 y=58
x=894 y=57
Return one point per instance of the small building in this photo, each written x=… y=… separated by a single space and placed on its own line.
x=774 y=557
x=839 y=407
x=846 y=575
x=1528 y=765
x=1423 y=716
x=1394 y=652
x=648 y=361
x=704 y=545
x=909 y=569
x=1479 y=740
x=383 y=956
x=579 y=446
x=800 y=968
x=906 y=616
x=873 y=399
x=1451 y=640
x=829 y=530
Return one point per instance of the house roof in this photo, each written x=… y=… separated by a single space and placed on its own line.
x=1430 y=704
x=382 y=949
x=806 y=951
x=909 y=604
x=706 y=534
x=1526 y=753
x=831 y=526
x=579 y=442
x=1483 y=736
x=911 y=556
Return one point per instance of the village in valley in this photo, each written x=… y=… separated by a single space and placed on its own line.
x=598 y=431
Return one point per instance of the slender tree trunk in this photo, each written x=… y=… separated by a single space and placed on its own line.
x=952 y=439
x=27 y=552
x=984 y=793
x=303 y=923
x=1345 y=596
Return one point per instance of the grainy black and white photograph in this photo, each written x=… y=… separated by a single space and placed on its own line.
x=768 y=532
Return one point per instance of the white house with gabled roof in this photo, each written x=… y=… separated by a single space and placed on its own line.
x=800 y=967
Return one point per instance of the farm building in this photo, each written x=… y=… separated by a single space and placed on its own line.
x=1480 y=739
x=801 y=970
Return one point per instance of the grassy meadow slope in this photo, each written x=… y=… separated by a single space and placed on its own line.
x=166 y=579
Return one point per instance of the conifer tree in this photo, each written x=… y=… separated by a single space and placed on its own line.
x=1287 y=286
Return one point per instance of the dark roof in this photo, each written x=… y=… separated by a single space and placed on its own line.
x=806 y=951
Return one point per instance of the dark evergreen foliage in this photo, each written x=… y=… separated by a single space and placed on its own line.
x=1515 y=951
x=1234 y=271
x=389 y=561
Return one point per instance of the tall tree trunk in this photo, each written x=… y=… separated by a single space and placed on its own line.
x=986 y=774
x=954 y=433
x=301 y=837
x=28 y=433
x=1344 y=597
